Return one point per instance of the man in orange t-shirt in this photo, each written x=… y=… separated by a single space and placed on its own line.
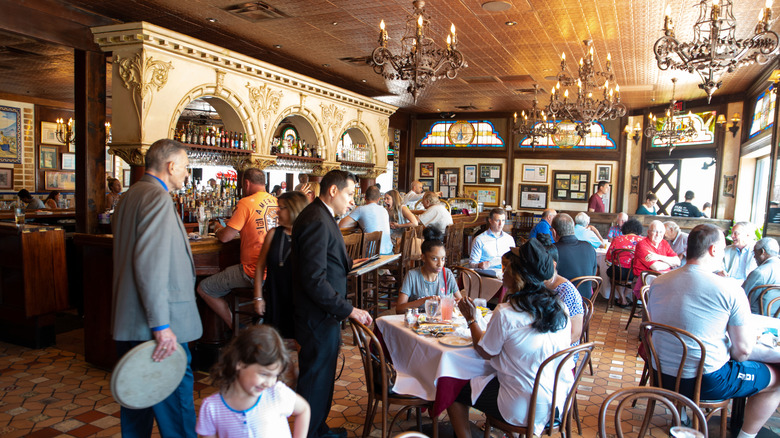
x=255 y=214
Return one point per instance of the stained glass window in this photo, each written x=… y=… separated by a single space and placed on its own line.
x=764 y=111
x=567 y=138
x=703 y=122
x=461 y=134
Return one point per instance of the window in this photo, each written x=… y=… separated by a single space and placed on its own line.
x=760 y=191
x=763 y=112
x=462 y=133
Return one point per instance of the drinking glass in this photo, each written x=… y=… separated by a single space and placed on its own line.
x=447 y=303
x=431 y=309
x=19 y=216
x=480 y=302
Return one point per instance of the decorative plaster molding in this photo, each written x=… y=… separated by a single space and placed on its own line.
x=220 y=81
x=141 y=75
x=373 y=173
x=333 y=117
x=133 y=156
x=322 y=169
x=383 y=130
x=260 y=162
x=264 y=100
x=303 y=100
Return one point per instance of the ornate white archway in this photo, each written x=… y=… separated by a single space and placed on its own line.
x=295 y=110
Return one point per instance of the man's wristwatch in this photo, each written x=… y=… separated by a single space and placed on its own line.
x=469 y=322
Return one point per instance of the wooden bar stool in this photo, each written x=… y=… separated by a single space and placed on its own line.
x=242 y=308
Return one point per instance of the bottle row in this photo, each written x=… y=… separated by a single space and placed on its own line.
x=296 y=148
x=354 y=152
x=219 y=200
x=212 y=136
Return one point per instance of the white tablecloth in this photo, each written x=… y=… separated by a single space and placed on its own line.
x=601 y=261
x=762 y=352
x=421 y=360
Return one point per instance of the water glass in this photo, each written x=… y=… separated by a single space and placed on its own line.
x=431 y=309
x=19 y=216
x=480 y=302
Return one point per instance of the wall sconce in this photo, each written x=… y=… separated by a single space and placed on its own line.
x=735 y=119
x=637 y=130
x=706 y=166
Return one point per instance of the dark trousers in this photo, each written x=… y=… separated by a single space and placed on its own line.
x=175 y=415
x=317 y=362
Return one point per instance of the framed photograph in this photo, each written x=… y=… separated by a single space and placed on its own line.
x=427 y=183
x=68 y=161
x=561 y=194
x=534 y=173
x=571 y=185
x=426 y=170
x=55 y=180
x=445 y=191
x=604 y=172
x=6 y=179
x=448 y=181
x=488 y=195
x=470 y=174
x=634 y=185
x=729 y=185
x=10 y=134
x=48 y=157
x=533 y=196
x=453 y=179
x=490 y=174
x=49 y=134
x=125 y=177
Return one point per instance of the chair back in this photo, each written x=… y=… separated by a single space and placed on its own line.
x=647 y=277
x=374 y=363
x=371 y=244
x=684 y=340
x=524 y=223
x=626 y=398
x=352 y=242
x=453 y=243
x=765 y=305
x=617 y=256
x=470 y=280
x=587 y=315
x=595 y=283
x=644 y=293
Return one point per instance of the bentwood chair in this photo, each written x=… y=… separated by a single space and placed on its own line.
x=595 y=284
x=763 y=303
x=453 y=243
x=353 y=244
x=391 y=280
x=642 y=349
x=561 y=362
x=524 y=223
x=470 y=281
x=615 y=278
x=378 y=384
x=646 y=278
x=369 y=282
x=587 y=315
x=669 y=399
x=692 y=352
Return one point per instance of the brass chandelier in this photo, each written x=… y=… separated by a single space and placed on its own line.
x=670 y=133
x=535 y=126
x=715 y=50
x=592 y=101
x=420 y=61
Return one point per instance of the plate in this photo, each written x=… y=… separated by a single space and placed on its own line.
x=455 y=341
x=138 y=382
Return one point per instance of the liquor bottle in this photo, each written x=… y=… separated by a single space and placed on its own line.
x=246 y=142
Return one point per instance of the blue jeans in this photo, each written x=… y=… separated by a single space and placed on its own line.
x=175 y=415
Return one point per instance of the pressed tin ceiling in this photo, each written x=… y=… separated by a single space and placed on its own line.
x=327 y=39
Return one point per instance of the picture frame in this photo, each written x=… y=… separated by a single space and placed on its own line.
x=427 y=184
x=634 y=185
x=469 y=174
x=49 y=134
x=68 y=161
x=729 y=185
x=11 y=130
x=532 y=197
x=603 y=172
x=534 y=173
x=571 y=185
x=59 y=180
x=125 y=177
x=6 y=179
x=427 y=170
x=448 y=181
x=489 y=173
x=490 y=196
x=48 y=157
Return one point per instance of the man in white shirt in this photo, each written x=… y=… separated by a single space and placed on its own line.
x=371 y=217
x=436 y=215
x=489 y=246
x=585 y=232
x=739 y=261
x=413 y=195
x=768 y=272
x=677 y=239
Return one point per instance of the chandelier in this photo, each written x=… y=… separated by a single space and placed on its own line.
x=594 y=100
x=65 y=133
x=715 y=49
x=670 y=132
x=420 y=60
x=536 y=126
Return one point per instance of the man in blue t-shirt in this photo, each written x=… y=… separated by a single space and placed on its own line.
x=543 y=227
x=372 y=217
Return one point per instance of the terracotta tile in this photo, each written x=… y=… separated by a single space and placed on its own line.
x=90 y=416
x=46 y=432
x=84 y=431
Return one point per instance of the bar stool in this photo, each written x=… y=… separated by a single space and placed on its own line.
x=242 y=307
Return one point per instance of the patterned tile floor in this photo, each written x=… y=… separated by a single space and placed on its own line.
x=54 y=392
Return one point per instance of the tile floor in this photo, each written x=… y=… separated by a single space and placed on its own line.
x=54 y=392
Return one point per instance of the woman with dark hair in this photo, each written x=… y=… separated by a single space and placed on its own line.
x=564 y=289
x=523 y=333
x=53 y=200
x=432 y=280
x=114 y=193
x=632 y=234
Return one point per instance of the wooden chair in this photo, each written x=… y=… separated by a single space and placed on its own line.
x=368 y=284
x=524 y=223
x=765 y=306
x=453 y=243
x=636 y=312
x=617 y=255
x=378 y=384
x=392 y=280
x=643 y=350
x=689 y=355
x=595 y=281
x=563 y=422
x=241 y=303
x=587 y=315
x=353 y=243
x=671 y=400
x=470 y=281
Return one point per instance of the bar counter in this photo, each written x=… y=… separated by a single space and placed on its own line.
x=209 y=254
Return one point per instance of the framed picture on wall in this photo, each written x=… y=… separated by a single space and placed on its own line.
x=427 y=184
x=68 y=161
x=426 y=170
x=489 y=173
x=60 y=180
x=49 y=134
x=533 y=196
x=48 y=155
x=604 y=172
x=470 y=174
x=125 y=177
x=571 y=185
x=729 y=185
x=534 y=173
x=6 y=179
x=489 y=196
x=448 y=181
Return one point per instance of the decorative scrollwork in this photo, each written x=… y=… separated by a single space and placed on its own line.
x=132 y=156
x=264 y=100
x=142 y=75
x=323 y=169
x=332 y=117
x=220 y=81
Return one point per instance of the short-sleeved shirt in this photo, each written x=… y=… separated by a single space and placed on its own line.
x=267 y=418
x=587 y=235
x=623 y=242
x=680 y=243
x=35 y=204
x=518 y=350
x=373 y=217
x=572 y=299
x=739 y=263
x=686 y=209
x=543 y=227
x=416 y=286
x=767 y=273
x=490 y=247
x=702 y=303
x=254 y=216
x=643 y=210
x=596 y=203
x=645 y=247
x=614 y=231
x=438 y=217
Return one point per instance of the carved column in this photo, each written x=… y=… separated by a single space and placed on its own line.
x=319 y=171
x=135 y=157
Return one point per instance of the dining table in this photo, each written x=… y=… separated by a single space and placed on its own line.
x=425 y=367
x=601 y=262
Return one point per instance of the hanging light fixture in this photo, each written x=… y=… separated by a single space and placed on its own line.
x=420 y=61
x=535 y=126
x=594 y=100
x=65 y=133
x=715 y=50
x=670 y=132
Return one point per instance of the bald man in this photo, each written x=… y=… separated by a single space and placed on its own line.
x=414 y=195
x=543 y=226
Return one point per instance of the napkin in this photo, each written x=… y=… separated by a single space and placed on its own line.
x=464 y=331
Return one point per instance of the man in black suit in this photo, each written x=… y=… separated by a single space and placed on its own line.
x=576 y=258
x=320 y=267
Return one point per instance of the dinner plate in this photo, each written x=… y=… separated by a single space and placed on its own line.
x=455 y=341
x=138 y=382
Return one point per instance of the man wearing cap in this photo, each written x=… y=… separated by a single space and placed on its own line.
x=768 y=272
